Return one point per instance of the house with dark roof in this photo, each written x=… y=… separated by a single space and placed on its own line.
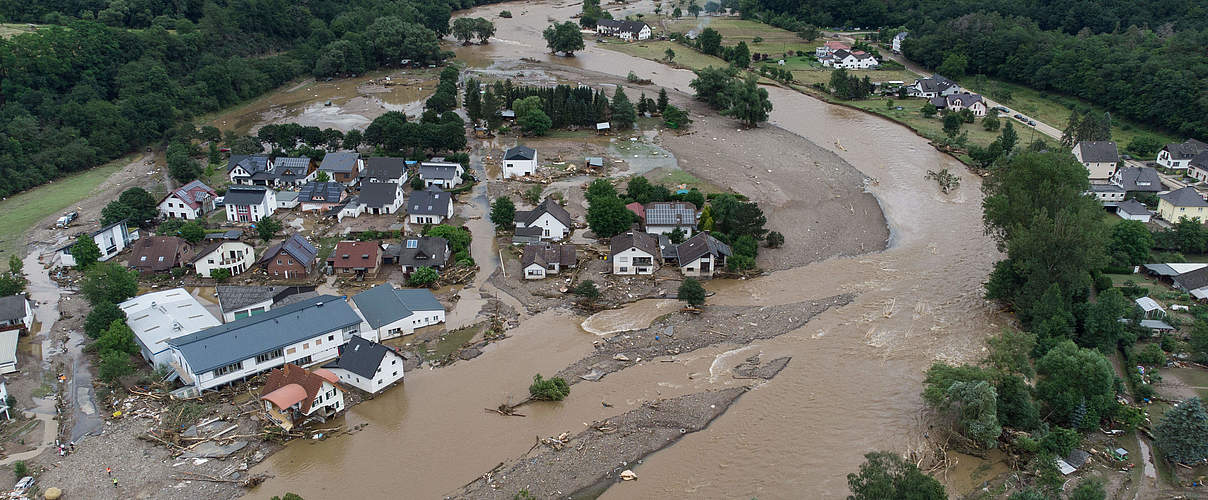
x=1177 y=155
x=414 y=252
x=291 y=171
x=321 y=196
x=304 y=333
x=623 y=29
x=189 y=201
x=933 y=86
x=1138 y=179
x=249 y=203
x=961 y=100
x=555 y=222
x=441 y=174
x=16 y=313
x=1106 y=193
x=367 y=365
x=431 y=206
x=385 y=169
x=241 y=168
x=663 y=217
x=391 y=312
x=356 y=258
x=702 y=255
x=293 y=258
x=111 y=239
x=634 y=252
x=1099 y=158
x=158 y=254
x=343 y=167
x=855 y=59
x=1133 y=210
x=1183 y=202
x=293 y=396
x=519 y=161
x=896 y=44
x=238 y=301
x=233 y=255
x=547 y=259
x=381 y=198
x=1197 y=167
x=830 y=47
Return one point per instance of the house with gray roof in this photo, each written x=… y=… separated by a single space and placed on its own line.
x=292 y=171
x=555 y=222
x=303 y=333
x=1133 y=210
x=634 y=252
x=431 y=206
x=1178 y=155
x=547 y=259
x=441 y=174
x=1099 y=158
x=702 y=255
x=933 y=86
x=663 y=217
x=16 y=313
x=343 y=167
x=385 y=169
x=366 y=365
x=241 y=168
x=414 y=252
x=391 y=312
x=249 y=203
x=321 y=196
x=519 y=161
x=1197 y=167
x=381 y=198
x=1138 y=179
x=189 y=201
x=238 y=302
x=292 y=258
x=1183 y=202
x=111 y=239
x=623 y=29
x=896 y=44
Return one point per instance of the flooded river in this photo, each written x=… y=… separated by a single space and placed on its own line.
x=852 y=386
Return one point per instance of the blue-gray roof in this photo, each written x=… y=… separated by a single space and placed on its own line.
x=419 y=299
x=360 y=356
x=324 y=192
x=244 y=195
x=383 y=304
x=274 y=329
x=438 y=170
x=432 y=202
x=339 y=162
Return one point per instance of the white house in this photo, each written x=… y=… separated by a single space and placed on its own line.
x=625 y=30
x=933 y=86
x=189 y=202
x=381 y=198
x=519 y=161
x=237 y=302
x=304 y=333
x=1133 y=210
x=4 y=398
x=8 y=350
x=553 y=220
x=857 y=59
x=111 y=239
x=1177 y=156
x=16 y=312
x=1099 y=158
x=286 y=200
x=830 y=47
x=1106 y=193
x=385 y=169
x=546 y=259
x=634 y=253
x=234 y=256
x=158 y=317
x=293 y=396
x=702 y=255
x=366 y=365
x=249 y=203
x=429 y=207
x=241 y=168
x=897 y=42
x=959 y=101
x=663 y=217
x=441 y=174
x=391 y=312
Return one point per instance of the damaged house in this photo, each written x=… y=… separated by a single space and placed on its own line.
x=292 y=395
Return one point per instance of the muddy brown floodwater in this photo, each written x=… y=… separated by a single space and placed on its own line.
x=852 y=386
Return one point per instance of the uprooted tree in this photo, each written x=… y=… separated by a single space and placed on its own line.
x=551 y=389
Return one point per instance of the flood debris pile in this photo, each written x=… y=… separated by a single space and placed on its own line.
x=683 y=333
x=561 y=465
x=752 y=369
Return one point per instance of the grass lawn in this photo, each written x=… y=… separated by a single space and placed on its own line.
x=20 y=212
x=1054 y=109
x=774 y=40
x=654 y=49
x=9 y=30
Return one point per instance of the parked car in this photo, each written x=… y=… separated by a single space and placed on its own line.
x=1031 y=123
x=1018 y=116
x=67 y=219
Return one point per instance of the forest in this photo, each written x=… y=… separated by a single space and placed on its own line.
x=1143 y=60
x=106 y=78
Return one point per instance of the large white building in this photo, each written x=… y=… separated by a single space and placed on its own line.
x=304 y=333
x=391 y=312
x=249 y=203
x=158 y=317
x=366 y=365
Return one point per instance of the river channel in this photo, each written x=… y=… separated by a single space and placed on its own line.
x=852 y=386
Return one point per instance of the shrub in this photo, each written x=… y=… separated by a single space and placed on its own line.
x=220 y=275
x=588 y=290
x=692 y=292
x=423 y=276
x=506 y=14
x=552 y=389
x=114 y=365
x=20 y=469
x=775 y=239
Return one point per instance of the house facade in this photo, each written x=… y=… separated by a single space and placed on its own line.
x=623 y=29
x=897 y=42
x=415 y=252
x=158 y=317
x=701 y=256
x=385 y=169
x=1198 y=166
x=249 y=203
x=16 y=313
x=440 y=174
x=234 y=256
x=390 y=312
x=1099 y=158
x=1106 y=193
x=663 y=217
x=381 y=198
x=293 y=258
x=554 y=222
x=342 y=167
x=158 y=254
x=547 y=259
x=634 y=253
x=1177 y=155
x=1184 y=202
x=303 y=333
x=321 y=196
x=933 y=86
x=240 y=301
x=830 y=47
x=368 y=366
x=188 y=202
x=293 y=396
x=857 y=59
x=355 y=258
x=241 y=168
x=519 y=161
x=959 y=101
x=111 y=239
x=1133 y=210
x=432 y=206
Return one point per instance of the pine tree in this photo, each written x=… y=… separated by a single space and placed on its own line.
x=473 y=101
x=1182 y=436
x=622 y=110
x=662 y=102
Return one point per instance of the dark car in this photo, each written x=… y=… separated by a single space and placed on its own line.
x=1031 y=123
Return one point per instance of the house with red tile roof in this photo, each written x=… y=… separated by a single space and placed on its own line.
x=359 y=258
x=293 y=395
x=189 y=202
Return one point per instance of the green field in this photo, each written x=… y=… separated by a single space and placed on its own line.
x=9 y=30
x=1054 y=109
x=774 y=40
x=20 y=212
x=654 y=50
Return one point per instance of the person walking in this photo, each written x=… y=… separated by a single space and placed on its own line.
x=115 y=482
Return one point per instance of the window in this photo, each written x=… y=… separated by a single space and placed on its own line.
x=331 y=337
x=233 y=367
x=305 y=360
x=305 y=346
x=291 y=350
x=412 y=243
x=269 y=356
